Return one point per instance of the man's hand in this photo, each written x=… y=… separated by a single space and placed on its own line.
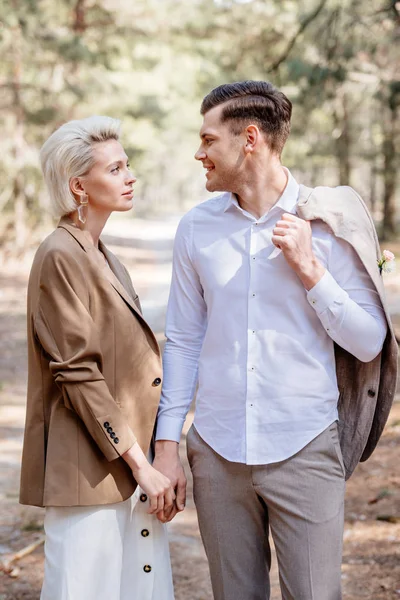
x=156 y=485
x=167 y=461
x=294 y=237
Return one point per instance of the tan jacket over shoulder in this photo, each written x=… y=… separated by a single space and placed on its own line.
x=94 y=375
x=366 y=389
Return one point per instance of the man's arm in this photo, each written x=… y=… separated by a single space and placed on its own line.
x=185 y=329
x=344 y=298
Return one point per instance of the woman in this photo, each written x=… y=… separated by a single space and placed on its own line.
x=93 y=387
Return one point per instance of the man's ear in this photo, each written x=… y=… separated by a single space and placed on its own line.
x=252 y=138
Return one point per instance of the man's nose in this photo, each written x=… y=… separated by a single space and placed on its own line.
x=200 y=154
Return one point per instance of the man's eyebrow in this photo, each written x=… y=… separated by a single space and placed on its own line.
x=206 y=134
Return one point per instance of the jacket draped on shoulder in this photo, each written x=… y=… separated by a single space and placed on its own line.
x=366 y=389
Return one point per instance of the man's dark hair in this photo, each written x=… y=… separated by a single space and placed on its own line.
x=253 y=101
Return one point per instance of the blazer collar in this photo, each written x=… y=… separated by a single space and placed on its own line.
x=112 y=272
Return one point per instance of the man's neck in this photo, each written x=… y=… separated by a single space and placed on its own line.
x=260 y=194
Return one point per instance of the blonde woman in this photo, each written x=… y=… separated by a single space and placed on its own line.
x=93 y=387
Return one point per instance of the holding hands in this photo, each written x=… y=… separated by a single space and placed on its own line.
x=293 y=236
x=156 y=485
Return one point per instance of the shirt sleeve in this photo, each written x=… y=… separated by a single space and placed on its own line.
x=71 y=340
x=185 y=330
x=348 y=304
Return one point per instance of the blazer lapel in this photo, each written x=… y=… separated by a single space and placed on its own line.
x=113 y=273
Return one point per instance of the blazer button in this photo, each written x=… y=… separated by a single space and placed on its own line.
x=147 y=568
x=116 y=440
x=143 y=497
x=371 y=393
x=109 y=429
x=112 y=435
x=145 y=532
x=156 y=382
x=106 y=424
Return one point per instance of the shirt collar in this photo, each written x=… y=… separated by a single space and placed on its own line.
x=286 y=203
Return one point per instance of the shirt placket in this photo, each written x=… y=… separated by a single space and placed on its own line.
x=252 y=342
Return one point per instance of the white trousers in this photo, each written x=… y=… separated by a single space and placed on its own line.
x=115 y=551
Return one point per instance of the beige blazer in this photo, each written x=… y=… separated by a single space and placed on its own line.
x=366 y=389
x=94 y=375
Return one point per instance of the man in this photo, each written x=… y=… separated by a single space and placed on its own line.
x=275 y=306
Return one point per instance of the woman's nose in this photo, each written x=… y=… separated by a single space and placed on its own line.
x=131 y=177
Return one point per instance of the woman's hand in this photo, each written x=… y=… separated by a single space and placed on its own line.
x=156 y=485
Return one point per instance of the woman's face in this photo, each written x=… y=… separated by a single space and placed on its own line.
x=109 y=183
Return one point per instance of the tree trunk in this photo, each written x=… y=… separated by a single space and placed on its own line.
x=343 y=138
x=389 y=171
x=20 y=228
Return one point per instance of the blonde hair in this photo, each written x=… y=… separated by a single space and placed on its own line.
x=68 y=153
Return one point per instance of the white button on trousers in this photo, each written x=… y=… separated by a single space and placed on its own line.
x=99 y=552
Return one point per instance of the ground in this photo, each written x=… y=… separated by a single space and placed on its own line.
x=371 y=564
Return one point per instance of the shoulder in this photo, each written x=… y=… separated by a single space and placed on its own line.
x=201 y=213
x=342 y=208
x=59 y=256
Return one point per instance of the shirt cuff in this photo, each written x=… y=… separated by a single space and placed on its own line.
x=169 y=428
x=326 y=292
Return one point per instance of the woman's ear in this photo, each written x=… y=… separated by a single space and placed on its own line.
x=75 y=185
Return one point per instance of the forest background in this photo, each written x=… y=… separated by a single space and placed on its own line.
x=150 y=62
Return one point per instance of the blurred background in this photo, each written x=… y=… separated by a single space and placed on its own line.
x=149 y=63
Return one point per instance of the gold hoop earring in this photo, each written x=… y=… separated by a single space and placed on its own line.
x=82 y=207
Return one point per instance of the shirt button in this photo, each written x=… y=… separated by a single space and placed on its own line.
x=147 y=568
x=112 y=435
x=106 y=424
x=156 y=382
x=145 y=532
x=253 y=331
x=313 y=301
x=109 y=429
x=253 y=295
x=143 y=497
x=252 y=368
x=116 y=440
x=253 y=257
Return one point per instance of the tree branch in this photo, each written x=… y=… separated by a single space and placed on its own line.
x=306 y=22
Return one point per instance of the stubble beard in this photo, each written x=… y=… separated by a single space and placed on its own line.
x=224 y=182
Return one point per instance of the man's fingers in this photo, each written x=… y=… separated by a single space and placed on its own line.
x=171 y=514
x=280 y=231
x=153 y=505
x=290 y=217
x=284 y=224
x=169 y=499
x=162 y=516
x=181 y=494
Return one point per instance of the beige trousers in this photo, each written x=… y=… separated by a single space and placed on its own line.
x=117 y=552
x=299 y=499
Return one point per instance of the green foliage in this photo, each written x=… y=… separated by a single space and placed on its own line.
x=150 y=62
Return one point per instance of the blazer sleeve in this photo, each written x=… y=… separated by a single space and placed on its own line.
x=71 y=339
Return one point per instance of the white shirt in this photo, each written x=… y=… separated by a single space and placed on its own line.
x=240 y=322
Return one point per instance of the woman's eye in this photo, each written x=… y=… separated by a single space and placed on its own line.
x=115 y=170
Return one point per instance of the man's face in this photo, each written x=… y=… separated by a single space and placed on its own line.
x=221 y=153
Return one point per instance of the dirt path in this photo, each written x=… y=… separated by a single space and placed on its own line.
x=371 y=566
